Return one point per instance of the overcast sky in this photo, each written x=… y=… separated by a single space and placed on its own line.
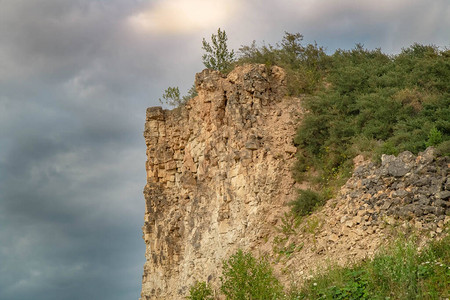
x=75 y=79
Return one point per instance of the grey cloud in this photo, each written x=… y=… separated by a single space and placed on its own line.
x=68 y=231
x=75 y=81
x=390 y=25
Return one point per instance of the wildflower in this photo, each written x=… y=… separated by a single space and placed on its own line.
x=315 y=283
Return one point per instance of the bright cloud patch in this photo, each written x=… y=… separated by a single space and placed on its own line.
x=180 y=16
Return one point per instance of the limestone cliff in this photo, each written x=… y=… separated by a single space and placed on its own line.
x=217 y=171
x=219 y=178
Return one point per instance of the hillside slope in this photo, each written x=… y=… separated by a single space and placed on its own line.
x=219 y=178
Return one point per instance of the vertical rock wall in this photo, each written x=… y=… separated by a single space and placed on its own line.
x=218 y=170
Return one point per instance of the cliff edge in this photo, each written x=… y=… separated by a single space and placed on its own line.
x=219 y=178
x=218 y=170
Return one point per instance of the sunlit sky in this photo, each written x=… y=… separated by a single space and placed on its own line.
x=182 y=17
x=75 y=80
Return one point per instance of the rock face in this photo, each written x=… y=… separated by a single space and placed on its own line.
x=403 y=187
x=219 y=178
x=404 y=195
x=218 y=170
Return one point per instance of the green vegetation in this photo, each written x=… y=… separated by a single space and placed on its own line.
x=359 y=101
x=200 y=291
x=305 y=203
x=245 y=277
x=217 y=56
x=172 y=97
x=400 y=272
x=375 y=103
x=304 y=65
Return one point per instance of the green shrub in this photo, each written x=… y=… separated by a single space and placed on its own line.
x=400 y=102
x=443 y=149
x=398 y=272
x=171 y=96
x=200 y=291
x=217 y=56
x=305 y=203
x=305 y=65
x=245 y=277
x=434 y=137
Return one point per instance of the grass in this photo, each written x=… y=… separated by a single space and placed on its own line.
x=398 y=272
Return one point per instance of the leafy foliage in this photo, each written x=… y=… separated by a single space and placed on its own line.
x=399 y=272
x=171 y=96
x=217 y=56
x=361 y=101
x=305 y=65
x=393 y=103
x=306 y=201
x=434 y=137
x=200 y=291
x=245 y=277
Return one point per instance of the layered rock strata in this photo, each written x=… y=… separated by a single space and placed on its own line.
x=218 y=172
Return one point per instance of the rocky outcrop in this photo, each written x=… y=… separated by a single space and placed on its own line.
x=218 y=173
x=219 y=178
x=404 y=195
x=404 y=187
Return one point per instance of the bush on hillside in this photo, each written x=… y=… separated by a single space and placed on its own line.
x=305 y=203
x=245 y=277
x=399 y=102
x=200 y=291
x=398 y=272
x=305 y=65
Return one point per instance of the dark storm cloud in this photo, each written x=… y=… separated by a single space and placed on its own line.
x=75 y=80
x=71 y=154
x=64 y=202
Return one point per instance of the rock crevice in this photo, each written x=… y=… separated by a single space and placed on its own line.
x=216 y=170
x=219 y=178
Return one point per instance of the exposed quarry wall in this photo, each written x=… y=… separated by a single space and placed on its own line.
x=219 y=178
x=217 y=171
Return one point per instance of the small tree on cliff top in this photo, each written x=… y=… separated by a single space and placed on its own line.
x=172 y=96
x=217 y=56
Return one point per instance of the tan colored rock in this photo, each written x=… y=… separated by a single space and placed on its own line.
x=212 y=187
x=219 y=178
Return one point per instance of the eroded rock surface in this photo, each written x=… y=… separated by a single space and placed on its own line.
x=404 y=195
x=218 y=174
x=219 y=177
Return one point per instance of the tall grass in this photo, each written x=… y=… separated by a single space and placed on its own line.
x=399 y=272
